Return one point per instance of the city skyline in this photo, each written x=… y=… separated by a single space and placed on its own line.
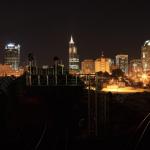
x=45 y=28
x=66 y=59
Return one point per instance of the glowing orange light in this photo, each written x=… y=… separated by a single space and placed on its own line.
x=144 y=76
x=123 y=90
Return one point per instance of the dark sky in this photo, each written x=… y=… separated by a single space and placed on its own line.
x=45 y=28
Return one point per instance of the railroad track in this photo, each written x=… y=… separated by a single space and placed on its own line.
x=141 y=135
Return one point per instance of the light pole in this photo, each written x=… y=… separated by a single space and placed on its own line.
x=56 y=68
x=30 y=58
x=96 y=107
x=89 y=107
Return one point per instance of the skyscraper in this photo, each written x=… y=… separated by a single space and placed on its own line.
x=73 y=58
x=12 y=55
x=88 y=66
x=135 y=66
x=122 y=63
x=102 y=64
x=145 y=56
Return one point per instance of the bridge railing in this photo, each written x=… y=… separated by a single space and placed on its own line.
x=51 y=80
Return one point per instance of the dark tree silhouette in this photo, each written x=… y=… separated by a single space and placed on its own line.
x=117 y=73
x=30 y=57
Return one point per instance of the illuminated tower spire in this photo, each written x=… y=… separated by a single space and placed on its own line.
x=73 y=58
x=71 y=40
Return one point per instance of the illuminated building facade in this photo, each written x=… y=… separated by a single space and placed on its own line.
x=102 y=64
x=145 y=56
x=111 y=64
x=135 y=66
x=7 y=70
x=88 y=66
x=73 y=58
x=12 y=55
x=122 y=63
x=135 y=69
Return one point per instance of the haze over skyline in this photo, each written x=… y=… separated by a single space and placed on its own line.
x=45 y=28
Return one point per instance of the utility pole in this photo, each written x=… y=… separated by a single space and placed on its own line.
x=89 y=107
x=56 y=59
x=30 y=79
x=39 y=82
x=76 y=80
x=66 y=79
x=47 y=80
x=30 y=59
x=96 y=107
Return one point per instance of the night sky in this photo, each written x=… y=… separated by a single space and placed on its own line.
x=45 y=28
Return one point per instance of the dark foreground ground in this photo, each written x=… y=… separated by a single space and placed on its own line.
x=44 y=118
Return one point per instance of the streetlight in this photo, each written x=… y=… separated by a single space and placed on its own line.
x=144 y=79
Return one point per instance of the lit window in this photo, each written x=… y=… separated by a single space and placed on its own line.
x=74 y=50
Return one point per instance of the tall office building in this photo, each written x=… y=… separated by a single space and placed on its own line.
x=122 y=63
x=135 y=66
x=12 y=55
x=135 y=69
x=73 y=58
x=88 y=66
x=145 y=56
x=111 y=64
x=102 y=64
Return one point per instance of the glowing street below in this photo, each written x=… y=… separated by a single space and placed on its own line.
x=116 y=89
